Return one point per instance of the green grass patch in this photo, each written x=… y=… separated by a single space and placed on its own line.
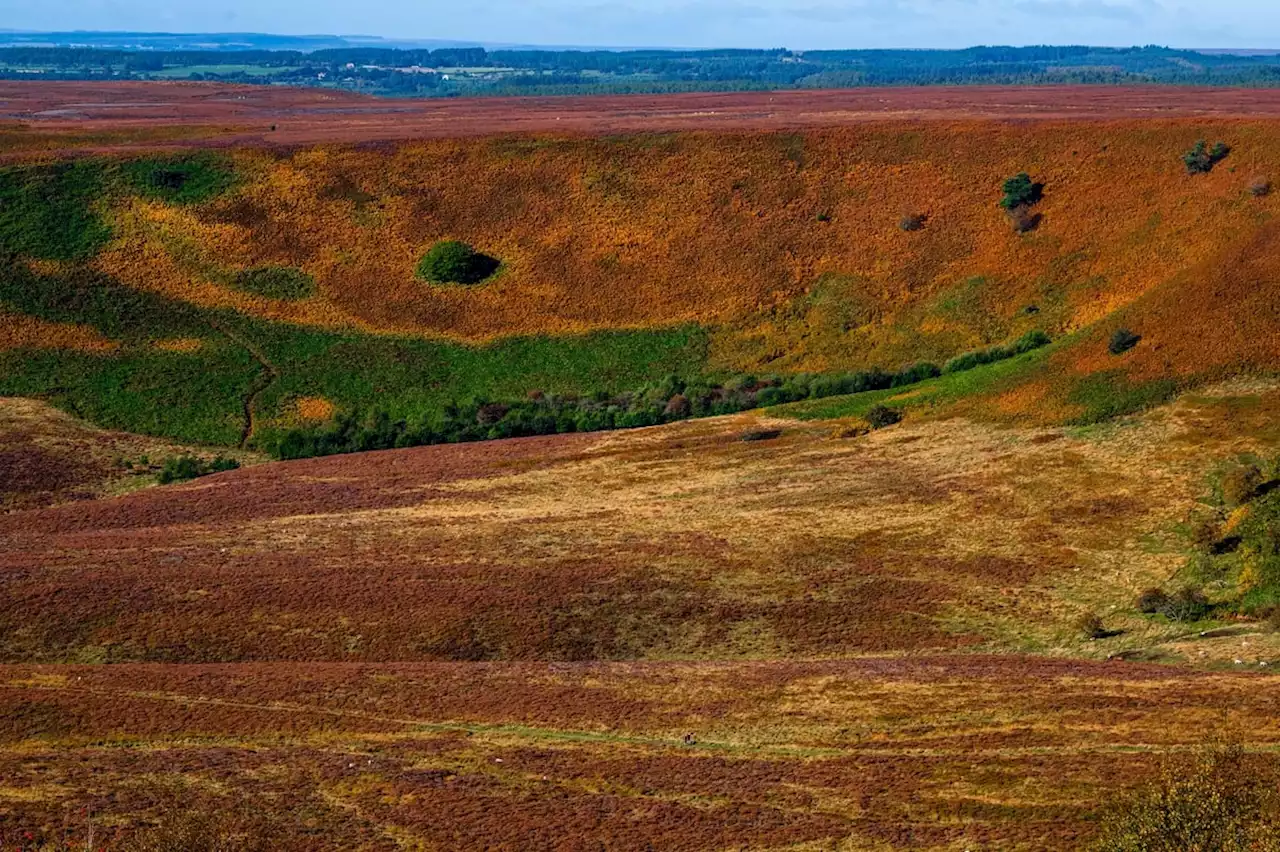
x=85 y=296
x=49 y=211
x=932 y=393
x=286 y=283
x=200 y=397
x=1110 y=394
x=187 y=179
x=192 y=399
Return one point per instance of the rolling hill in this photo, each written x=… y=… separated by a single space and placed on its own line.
x=954 y=524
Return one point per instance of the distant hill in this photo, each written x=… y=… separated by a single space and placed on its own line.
x=211 y=41
x=447 y=68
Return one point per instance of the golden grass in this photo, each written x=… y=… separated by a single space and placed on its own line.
x=19 y=331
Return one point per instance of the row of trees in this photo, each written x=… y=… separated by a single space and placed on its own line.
x=604 y=70
x=547 y=414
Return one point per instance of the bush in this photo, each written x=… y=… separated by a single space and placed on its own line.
x=914 y=222
x=915 y=373
x=1241 y=484
x=1152 y=601
x=1090 y=626
x=1122 y=341
x=881 y=416
x=184 y=468
x=1201 y=159
x=1205 y=533
x=452 y=262
x=1021 y=192
x=1186 y=605
x=276 y=282
x=1260 y=187
x=1216 y=801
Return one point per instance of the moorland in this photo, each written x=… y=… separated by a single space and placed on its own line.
x=854 y=470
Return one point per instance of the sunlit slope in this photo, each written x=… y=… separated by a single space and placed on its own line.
x=682 y=542
x=719 y=252
x=667 y=229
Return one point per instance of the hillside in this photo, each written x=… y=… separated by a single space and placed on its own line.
x=669 y=637
x=953 y=525
x=139 y=280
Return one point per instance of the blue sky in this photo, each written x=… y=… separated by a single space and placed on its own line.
x=797 y=24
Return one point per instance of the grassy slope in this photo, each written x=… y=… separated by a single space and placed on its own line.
x=712 y=572
x=682 y=542
x=702 y=253
x=929 y=754
x=48 y=457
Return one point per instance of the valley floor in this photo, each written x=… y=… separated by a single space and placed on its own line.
x=744 y=632
x=944 y=753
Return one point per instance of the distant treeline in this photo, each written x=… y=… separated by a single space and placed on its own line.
x=666 y=402
x=479 y=71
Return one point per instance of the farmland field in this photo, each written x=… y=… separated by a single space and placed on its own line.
x=993 y=541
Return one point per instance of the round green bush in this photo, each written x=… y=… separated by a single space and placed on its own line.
x=453 y=262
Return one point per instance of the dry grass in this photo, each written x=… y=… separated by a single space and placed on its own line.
x=714 y=571
x=933 y=753
x=678 y=542
x=48 y=457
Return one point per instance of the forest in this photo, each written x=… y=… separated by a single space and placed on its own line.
x=458 y=71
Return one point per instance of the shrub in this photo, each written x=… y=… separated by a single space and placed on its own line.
x=1152 y=601
x=881 y=416
x=1090 y=626
x=1216 y=801
x=678 y=406
x=276 y=282
x=1201 y=159
x=452 y=262
x=1241 y=484
x=1122 y=341
x=1205 y=533
x=761 y=435
x=1021 y=191
x=1185 y=605
x=183 y=468
x=914 y=222
x=1260 y=187
x=915 y=373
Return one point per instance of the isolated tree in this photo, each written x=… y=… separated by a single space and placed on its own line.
x=1021 y=191
x=453 y=262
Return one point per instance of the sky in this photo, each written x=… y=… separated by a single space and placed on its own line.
x=796 y=24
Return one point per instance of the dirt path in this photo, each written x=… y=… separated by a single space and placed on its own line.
x=266 y=377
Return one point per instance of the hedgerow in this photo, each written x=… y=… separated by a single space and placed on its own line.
x=1029 y=342
x=183 y=468
x=540 y=413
